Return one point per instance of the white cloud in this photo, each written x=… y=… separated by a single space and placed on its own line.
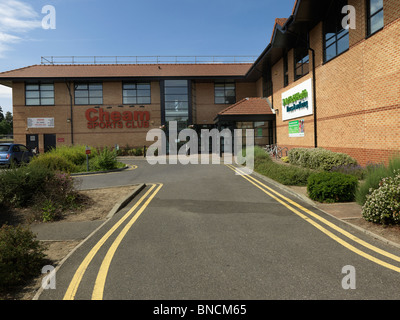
x=16 y=18
x=5 y=92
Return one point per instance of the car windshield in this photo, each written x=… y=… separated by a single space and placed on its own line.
x=4 y=148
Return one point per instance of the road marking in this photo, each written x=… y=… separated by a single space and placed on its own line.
x=318 y=226
x=98 y=290
x=74 y=284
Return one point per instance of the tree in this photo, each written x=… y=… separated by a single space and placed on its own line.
x=1 y=114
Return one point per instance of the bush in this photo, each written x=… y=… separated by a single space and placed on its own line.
x=383 y=204
x=58 y=195
x=373 y=177
x=105 y=160
x=287 y=175
x=19 y=185
x=55 y=162
x=332 y=187
x=319 y=158
x=21 y=255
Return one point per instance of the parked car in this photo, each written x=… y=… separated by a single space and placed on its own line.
x=11 y=153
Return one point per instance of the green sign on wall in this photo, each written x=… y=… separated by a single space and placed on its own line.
x=296 y=128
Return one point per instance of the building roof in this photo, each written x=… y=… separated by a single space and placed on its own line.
x=128 y=70
x=248 y=106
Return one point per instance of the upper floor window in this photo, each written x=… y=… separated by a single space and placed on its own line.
x=225 y=93
x=336 y=38
x=88 y=93
x=374 y=16
x=301 y=62
x=285 y=70
x=136 y=93
x=39 y=94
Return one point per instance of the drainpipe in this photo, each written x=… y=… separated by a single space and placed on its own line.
x=314 y=100
x=71 y=111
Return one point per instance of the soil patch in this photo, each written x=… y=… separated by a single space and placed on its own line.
x=96 y=206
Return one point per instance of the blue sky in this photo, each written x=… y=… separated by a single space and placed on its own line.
x=134 y=28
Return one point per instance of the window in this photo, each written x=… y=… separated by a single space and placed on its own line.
x=336 y=39
x=88 y=93
x=301 y=62
x=285 y=70
x=136 y=93
x=268 y=89
x=374 y=16
x=39 y=94
x=225 y=93
x=176 y=95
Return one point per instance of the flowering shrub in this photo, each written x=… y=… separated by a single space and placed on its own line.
x=319 y=158
x=383 y=204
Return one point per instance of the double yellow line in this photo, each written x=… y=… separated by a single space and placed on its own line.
x=102 y=274
x=292 y=205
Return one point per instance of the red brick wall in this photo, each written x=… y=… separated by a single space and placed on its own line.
x=358 y=92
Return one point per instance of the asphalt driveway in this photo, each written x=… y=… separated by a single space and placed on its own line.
x=202 y=232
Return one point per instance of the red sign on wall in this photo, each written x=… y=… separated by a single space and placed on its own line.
x=98 y=118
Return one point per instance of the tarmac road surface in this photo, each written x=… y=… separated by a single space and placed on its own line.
x=202 y=232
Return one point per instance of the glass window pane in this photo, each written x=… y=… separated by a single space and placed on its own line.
x=47 y=87
x=174 y=97
x=144 y=100
x=81 y=86
x=47 y=101
x=95 y=86
x=47 y=94
x=376 y=22
x=176 y=83
x=129 y=93
x=230 y=86
x=219 y=100
x=375 y=5
x=330 y=52
x=143 y=93
x=230 y=93
x=32 y=102
x=96 y=100
x=81 y=94
x=220 y=93
x=343 y=44
x=32 y=87
x=96 y=94
x=220 y=86
x=129 y=100
x=32 y=94
x=143 y=86
x=230 y=100
x=81 y=100
x=176 y=90
x=129 y=86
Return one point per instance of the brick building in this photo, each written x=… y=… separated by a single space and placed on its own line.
x=317 y=84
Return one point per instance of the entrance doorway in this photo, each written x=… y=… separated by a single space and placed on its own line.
x=49 y=142
x=32 y=142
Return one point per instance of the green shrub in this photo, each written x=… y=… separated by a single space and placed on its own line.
x=383 y=204
x=55 y=162
x=21 y=255
x=139 y=152
x=287 y=175
x=319 y=158
x=19 y=185
x=373 y=177
x=331 y=187
x=105 y=160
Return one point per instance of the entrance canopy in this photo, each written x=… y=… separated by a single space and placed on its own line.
x=247 y=110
